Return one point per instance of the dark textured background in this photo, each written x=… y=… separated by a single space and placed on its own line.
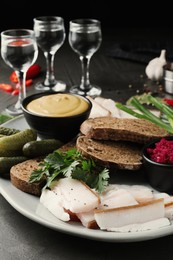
x=135 y=25
x=114 y=15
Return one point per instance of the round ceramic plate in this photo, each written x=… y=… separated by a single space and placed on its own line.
x=30 y=206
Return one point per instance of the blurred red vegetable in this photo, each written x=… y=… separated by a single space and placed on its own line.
x=16 y=90
x=168 y=101
x=6 y=87
x=28 y=82
x=13 y=77
x=32 y=72
x=19 y=42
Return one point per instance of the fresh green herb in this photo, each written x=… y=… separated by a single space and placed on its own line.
x=143 y=99
x=148 y=115
x=71 y=164
x=4 y=118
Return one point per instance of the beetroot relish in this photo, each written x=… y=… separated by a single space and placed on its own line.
x=162 y=152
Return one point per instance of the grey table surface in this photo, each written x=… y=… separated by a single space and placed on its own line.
x=22 y=238
x=117 y=78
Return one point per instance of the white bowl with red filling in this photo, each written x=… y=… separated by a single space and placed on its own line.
x=158 y=164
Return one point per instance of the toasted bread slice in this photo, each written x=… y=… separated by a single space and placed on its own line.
x=122 y=155
x=127 y=129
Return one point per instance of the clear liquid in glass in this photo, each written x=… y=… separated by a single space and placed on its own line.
x=19 y=51
x=50 y=41
x=50 y=36
x=19 y=54
x=85 y=38
x=85 y=43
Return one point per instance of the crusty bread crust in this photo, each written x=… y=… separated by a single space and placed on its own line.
x=122 y=155
x=20 y=174
x=127 y=129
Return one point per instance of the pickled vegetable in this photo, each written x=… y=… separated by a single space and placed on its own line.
x=12 y=145
x=8 y=131
x=7 y=162
x=41 y=147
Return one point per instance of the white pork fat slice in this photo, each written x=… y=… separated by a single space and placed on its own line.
x=134 y=214
x=52 y=201
x=69 y=195
x=167 y=198
x=169 y=211
x=111 y=198
x=76 y=196
x=108 y=104
x=114 y=198
x=168 y=202
x=87 y=219
x=140 y=193
x=97 y=110
x=150 y=225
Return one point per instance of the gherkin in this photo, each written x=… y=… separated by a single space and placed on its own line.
x=12 y=145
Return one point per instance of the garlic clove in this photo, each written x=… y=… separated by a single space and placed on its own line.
x=158 y=73
x=154 y=69
x=162 y=57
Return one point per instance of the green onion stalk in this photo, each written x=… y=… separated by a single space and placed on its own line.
x=144 y=113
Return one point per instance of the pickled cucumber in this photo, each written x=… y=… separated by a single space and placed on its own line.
x=7 y=162
x=12 y=145
x=8 y=131
x=40 y=147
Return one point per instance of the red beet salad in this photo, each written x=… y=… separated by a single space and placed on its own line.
x=162 y=152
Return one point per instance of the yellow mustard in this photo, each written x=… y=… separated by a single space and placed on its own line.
x=58 y=105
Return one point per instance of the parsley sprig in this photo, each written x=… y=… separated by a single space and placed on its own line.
x=71 y=164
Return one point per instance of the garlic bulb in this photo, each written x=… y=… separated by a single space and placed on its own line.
x=154 y=69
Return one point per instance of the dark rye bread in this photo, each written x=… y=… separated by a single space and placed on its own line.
x=20 y=174
x=127 y=129
x=119 y=154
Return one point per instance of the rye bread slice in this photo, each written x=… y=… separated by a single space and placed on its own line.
x=20 y=174
x=128 y=129
x=119 y=154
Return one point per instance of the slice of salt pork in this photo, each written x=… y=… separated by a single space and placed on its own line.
x=111 y=198
x=122 y=216
x=149 y=225
x=140 y=192
x=69 y=195
x=168 y=202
